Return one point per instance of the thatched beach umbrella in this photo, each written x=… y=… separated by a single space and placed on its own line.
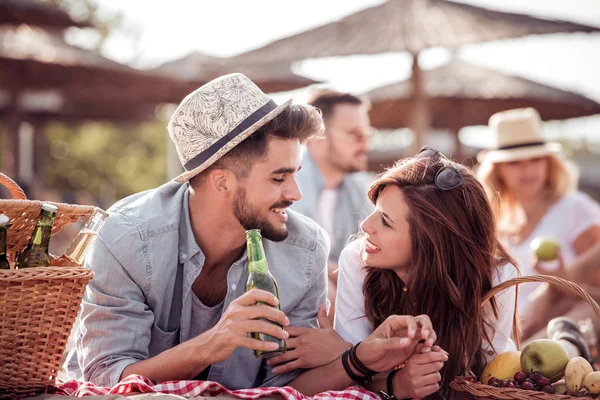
x=409 y=25
x=16 y=12
x=198 y=67
x=461 y=94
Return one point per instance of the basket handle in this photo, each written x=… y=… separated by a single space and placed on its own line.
x=540 y=278
x=15 y=190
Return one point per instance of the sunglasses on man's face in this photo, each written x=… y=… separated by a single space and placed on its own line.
x=446 y=178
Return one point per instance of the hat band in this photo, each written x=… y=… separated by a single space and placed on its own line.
x=218 y=145
x=514 y=146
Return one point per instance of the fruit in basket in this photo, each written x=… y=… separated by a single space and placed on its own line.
x=562 y=388
x=545 y=356
x=591 y=382
x=577 y=368
x=545 y=248
x=503 y=366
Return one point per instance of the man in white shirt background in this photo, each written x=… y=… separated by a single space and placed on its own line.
x=333 y=178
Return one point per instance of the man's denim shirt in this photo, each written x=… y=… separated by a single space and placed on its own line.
x=139 y=303
x=352 y=204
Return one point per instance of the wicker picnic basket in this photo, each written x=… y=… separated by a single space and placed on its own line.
x=476 y=390
x=38 y=306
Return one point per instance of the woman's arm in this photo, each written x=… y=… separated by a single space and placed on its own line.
x=587 y=247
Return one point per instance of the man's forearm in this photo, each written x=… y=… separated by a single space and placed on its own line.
x=181 y=362
x=311 y=382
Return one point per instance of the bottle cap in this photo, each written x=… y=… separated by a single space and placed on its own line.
x=4 y=220
x=49 y=207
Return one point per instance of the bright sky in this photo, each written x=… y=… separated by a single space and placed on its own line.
x=169 y=30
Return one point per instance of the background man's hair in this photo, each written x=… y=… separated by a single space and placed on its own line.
x=296 y=122
x=326 y=100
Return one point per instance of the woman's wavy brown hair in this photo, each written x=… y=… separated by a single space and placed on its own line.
x=455 y=254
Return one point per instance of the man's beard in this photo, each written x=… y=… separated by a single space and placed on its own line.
x=347 y=167
x=250 y=218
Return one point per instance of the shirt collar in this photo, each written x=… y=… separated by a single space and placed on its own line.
x=188 y=247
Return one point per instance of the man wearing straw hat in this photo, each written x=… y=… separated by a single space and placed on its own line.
x=168 y=300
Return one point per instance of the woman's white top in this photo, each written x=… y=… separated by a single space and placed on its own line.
x=353 y=326
x=565 y=220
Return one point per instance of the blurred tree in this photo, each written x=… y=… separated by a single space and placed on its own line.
x=105 y=22
x=105 y=161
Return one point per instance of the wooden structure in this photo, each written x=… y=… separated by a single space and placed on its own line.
x=43 y=78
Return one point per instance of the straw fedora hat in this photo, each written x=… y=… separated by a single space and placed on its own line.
x=215 y=118
x=517 y=135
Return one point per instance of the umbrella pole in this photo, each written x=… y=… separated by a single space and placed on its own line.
x=420 y=117
x=12 y=127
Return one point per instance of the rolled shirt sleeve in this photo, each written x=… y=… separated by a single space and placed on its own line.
x=116 y=323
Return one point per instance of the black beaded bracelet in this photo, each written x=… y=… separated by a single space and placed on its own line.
x=356 y=378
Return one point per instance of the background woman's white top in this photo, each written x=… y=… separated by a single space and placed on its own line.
x=565 y=220
x=352 y=324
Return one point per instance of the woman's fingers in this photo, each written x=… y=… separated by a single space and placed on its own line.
x=291 y=366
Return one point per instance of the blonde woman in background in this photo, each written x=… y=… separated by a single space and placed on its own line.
x=538 y=197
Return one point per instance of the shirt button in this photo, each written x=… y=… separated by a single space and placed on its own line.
x=183 y=255
x=233 y=287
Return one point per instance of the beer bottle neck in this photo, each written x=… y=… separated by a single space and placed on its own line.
x=3 y=234
x=42 y=232
x=257 y=262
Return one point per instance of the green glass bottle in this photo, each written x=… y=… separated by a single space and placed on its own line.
x=36 y=253
x=259 y=277
x=4 y=224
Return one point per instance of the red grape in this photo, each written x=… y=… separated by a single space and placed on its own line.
x=527 y=385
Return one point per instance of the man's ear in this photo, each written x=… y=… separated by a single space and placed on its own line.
x=223 y=181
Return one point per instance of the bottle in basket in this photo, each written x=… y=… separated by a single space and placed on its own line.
x=259 y=277
x=75 y=254
x=36 y=253
x=4 y=224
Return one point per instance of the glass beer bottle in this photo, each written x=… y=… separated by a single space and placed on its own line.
x=4 y=224
x=36 y=253
x=75 y=254
x=259 y=277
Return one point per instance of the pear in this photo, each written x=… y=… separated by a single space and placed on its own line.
x=576 y=370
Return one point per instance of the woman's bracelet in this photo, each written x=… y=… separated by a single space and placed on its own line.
x=357 y=364
x=346 y=361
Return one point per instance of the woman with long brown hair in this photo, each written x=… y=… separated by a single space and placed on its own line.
x=430 y=247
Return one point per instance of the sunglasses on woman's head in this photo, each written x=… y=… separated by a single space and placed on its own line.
x=446 y=178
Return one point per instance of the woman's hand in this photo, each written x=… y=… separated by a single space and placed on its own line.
x=420 y=376
x=310 y=348
x=394 y=341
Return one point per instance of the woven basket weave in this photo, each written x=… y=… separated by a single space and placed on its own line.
x=476 y=390
x=38 y=306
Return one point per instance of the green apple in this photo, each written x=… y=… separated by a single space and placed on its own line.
x=545 y=356
x=545 y=248
x=561 y=388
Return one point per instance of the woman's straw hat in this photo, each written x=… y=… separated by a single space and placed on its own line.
x=517 y=135
x=217 y=117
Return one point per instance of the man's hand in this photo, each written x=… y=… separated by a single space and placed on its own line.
x=310 y=348
x=394 y=341
x=420 y=376
x=241 y=317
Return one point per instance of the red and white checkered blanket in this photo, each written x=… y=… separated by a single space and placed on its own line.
x=140 y=384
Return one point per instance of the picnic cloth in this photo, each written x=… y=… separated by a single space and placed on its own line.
x=137 y=384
